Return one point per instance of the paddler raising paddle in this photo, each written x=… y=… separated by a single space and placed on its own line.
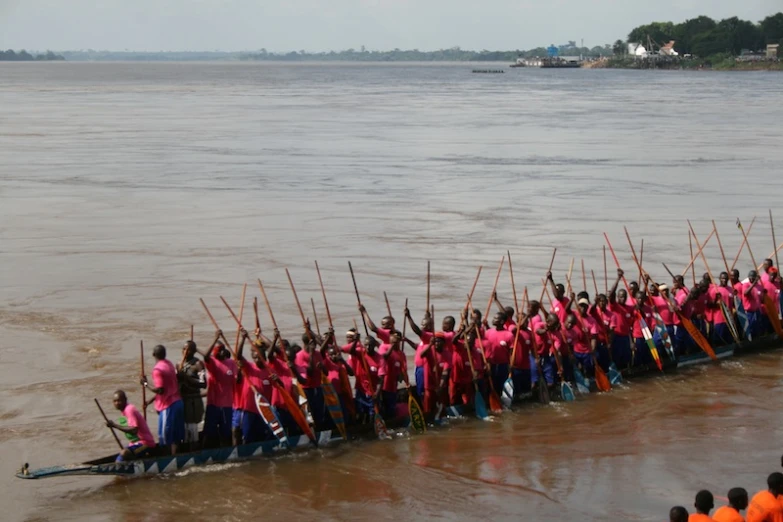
x=624 y=316
x=222 y=375
x=753 y=302
x=389 y=373
x=387 y=325
x=425 y=333
x=498 y=343
x=248 y=425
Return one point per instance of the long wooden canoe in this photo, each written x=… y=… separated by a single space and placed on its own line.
x=169 y=464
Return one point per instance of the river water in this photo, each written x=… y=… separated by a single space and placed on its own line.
x=128 y=191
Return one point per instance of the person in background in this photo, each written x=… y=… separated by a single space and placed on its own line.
x=135 y=428
x=703 y=504
x=168 y=401
x=738 y=500
x=765 y=505
x=678 y=514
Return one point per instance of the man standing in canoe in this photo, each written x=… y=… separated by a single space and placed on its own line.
x=561 y=305
x=281 y=365
x=389 y=373
x=425 y=334
x=520 y=364
x=247 y=424
x=387 y=325
x=498 y=343
x=623 y=321
x=168 y=402
x=721 y=293
x=221 y=379
x=753 y=301
x=309 y=364
x=192 y=380
x=543 y=343
x=134 y=427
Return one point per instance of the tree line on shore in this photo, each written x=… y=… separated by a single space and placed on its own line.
x=704 y=37
x=23 y=56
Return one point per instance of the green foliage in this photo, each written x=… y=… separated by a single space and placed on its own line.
x=619 y=48
x=23 y=56
x=703 y=36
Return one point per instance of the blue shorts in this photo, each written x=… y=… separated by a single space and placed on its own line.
x=621 y=351
x=498 y=373
x=138 y=449
x=217 y=422
x=721 y=335
x=420 y=380
x=521 y=380
x=171 y=424
x=253 y=427
x=602 y=356
x=586 y=361
x=643 y=355
x=547 y=368
x=364 y=404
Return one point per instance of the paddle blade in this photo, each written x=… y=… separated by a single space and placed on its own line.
x=481 y=406
x=772 y=314
x=566 y=392
x=615 y=377
x=543 y=392
x=333 y=406
x=581 y=383
x=698 y=337
x=601 y=380
x=271 y=420
x=494 y=403
x=507 y=397
x=417 y=417
x=296 y=413
x=380 y=425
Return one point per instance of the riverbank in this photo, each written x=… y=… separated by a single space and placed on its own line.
x=695 y=64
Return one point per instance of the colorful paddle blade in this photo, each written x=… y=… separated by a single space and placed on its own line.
x=494 y=403
x=507 y=397
x=566 y=392
x=271 y=420
x=581 y=383
x=380 y=425
x=615 y=377
x=698 y=337
x=481 y=406
x=417 y=417
x=772 y=314
x=295 y=412
x=601 y=380
x=333 y=406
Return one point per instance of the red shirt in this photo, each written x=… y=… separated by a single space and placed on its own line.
x=725 y=294
x=391 y=367
x=221 y=378
x=559 y=308
x=624 y=318
x=755 y=299
x=661 y=305
x=543 y=342
x=647 y=314
x=460 y=365
x=283 y=372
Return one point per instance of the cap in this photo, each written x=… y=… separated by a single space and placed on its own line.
x=661 y=288
x=583 y=301
x=772 y=270
x=440 y=335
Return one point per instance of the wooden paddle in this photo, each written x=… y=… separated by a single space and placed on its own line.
x=744 y=241
x=98 y=404
x=712 y=279
x=606 y=276
x=336 y=416
x=693 y=259
x=720 y=245
x=494 y=289
x=584 y=276
x=568 y=277
x=551 y=264
x=143 y=388
x=428 y=288
x=774 y=243
x=380 y=425
x=693 y=268
x=773 y=253
x=414 y=408
x=315 y=316
x=241 y=311
x=595 y=283
x=645 y=328
x=388 y=306
x=641 y=262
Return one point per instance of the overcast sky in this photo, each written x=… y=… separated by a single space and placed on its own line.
x=285 y=25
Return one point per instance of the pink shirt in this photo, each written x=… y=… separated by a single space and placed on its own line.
x=624 y=318
x=334 y=370
x=543 y=342
x=280 y=368
x=578 y=338
x=662 y=307
x=608 y=320
x=221 y=378
x=136 y=420
x=302 y=364
x=426 y=337
x=753 y=301
x=647 y=313
x=680 y=298
x=725 y=294
x=366 y=383
x=258 y=377
x=164 y=375
x=559 y=308
x=384 y=335
x=497 y=346
x=390 y=368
